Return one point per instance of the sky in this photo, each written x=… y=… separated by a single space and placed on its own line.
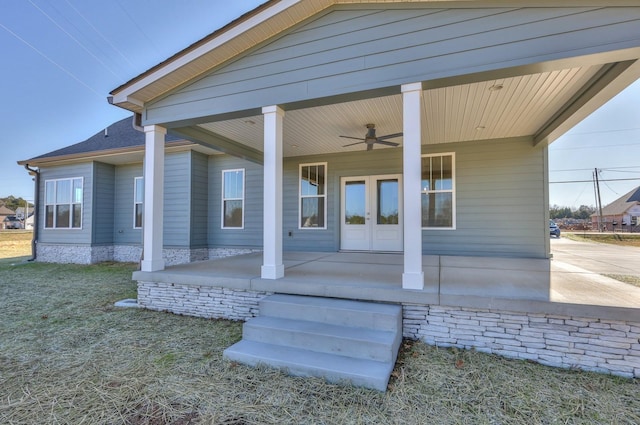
x=61 y=58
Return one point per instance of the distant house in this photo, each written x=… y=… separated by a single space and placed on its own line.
x=4 y=213
x=623 y=214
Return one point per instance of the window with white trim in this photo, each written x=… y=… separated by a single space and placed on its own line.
x=138 y=202
x=233 y=199
x=313 y=196
x=63 y=203
x=438 y=191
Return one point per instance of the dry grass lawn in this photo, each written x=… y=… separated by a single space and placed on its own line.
x=624 y=239
x=15 y=245
x=67 y=356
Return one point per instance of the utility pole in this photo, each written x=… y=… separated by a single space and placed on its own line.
x=599 y=202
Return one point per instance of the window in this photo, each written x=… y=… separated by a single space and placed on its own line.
x=63 y=204
x=233 y=199
x=313 y=195
x=138 y=205
x=438 y=191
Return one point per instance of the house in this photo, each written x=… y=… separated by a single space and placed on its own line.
x=4 y=213
x=622 y=214
x=393 y=152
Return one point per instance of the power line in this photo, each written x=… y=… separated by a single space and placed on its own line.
x=591 y=169
x=106 y=40
x=603 y=131
x=599 y=146
x=78 y=42
x=62 y=68
x=589 y=181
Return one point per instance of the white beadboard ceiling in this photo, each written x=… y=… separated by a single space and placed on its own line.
x=520 y=107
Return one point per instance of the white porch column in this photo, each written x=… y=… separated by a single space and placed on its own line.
x=152 y=227
x=413 y=276
x=272 y=267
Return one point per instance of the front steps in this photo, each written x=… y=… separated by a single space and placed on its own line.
x=339 y=340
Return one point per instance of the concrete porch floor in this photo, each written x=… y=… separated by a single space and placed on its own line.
x=377 y=277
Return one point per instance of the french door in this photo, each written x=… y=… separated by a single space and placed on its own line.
x=371 y=213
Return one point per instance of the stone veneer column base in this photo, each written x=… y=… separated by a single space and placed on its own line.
x=598 y=345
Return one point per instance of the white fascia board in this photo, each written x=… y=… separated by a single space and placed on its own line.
x=238 y=30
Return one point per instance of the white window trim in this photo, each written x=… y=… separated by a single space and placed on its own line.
x=71 y=204
x=135 y=203
x=300 y=196
x=452 y=191
x=222 y=226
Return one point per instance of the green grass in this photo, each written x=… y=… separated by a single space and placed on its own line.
x=68 y=356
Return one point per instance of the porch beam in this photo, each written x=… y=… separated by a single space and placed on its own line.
x=152 y=227
x=272 y=267
x=221 y=143
x=413 y=276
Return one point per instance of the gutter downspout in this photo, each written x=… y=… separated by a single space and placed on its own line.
x=36 y=210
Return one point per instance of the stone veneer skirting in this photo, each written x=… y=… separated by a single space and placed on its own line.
x=200 y=301
x=86 y=254
x=590 y=344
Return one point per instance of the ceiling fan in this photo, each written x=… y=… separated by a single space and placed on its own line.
x=370 y=138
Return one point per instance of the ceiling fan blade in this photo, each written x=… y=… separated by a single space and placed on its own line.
x=390 y=136
x=383 y=142
x=349 y=137
x=369 y=146
x=353 y=144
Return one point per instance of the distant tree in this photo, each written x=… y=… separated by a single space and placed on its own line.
x=13 y=203
x=584 y=212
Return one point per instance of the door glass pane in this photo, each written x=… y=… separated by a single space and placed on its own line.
x=387 y=202
x=354 y=199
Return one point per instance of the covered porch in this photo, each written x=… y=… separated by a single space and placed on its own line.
x=501 y=284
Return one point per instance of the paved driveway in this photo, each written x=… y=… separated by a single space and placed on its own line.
x=577 y=270
x=597 y=257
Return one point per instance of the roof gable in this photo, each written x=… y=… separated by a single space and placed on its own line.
x=622 y=204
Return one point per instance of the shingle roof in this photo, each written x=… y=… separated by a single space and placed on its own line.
x=120 y=134
x=5 y=211
x=622 y=204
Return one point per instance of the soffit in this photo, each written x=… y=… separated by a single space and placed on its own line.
x=494 y=109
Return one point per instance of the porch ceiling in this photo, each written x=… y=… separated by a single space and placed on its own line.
x=516 y=106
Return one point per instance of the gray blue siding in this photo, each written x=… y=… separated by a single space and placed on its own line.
x=177 y=203
x=123 y=231
x=68 y=236
x=349 y=51
x=251 y=235
x=199 y=199
x=500 y=192
x=103 y=201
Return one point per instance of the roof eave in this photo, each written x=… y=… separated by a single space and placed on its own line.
x=52 y=160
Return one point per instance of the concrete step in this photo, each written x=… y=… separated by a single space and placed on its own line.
x=311 y=336
x=333 y=311
x=348 y=341
x=300 y=362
